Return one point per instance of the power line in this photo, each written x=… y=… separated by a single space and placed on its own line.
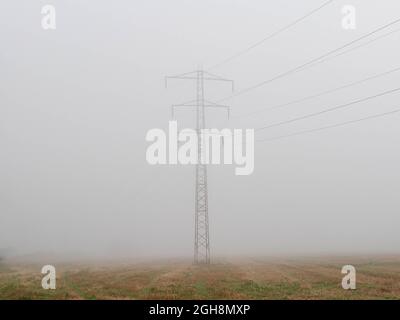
x=279 y=31
x=311 y=62
x=331 y=126
x=323 y=93
x=328 y=110
x=358 y=47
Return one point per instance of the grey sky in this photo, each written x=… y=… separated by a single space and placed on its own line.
x=76 y=103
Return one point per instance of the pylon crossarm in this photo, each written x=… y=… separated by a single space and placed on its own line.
x=215 y=77
x=193 y=76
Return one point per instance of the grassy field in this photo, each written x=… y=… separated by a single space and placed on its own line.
x=311 y=278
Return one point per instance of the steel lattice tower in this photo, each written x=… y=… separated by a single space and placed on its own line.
x=201 y=233
x=201 y=238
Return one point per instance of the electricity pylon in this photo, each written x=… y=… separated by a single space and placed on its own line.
x=201 y=232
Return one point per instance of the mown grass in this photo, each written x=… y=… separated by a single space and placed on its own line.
x=252 y=279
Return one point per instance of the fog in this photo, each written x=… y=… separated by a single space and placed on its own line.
x=76 y=104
